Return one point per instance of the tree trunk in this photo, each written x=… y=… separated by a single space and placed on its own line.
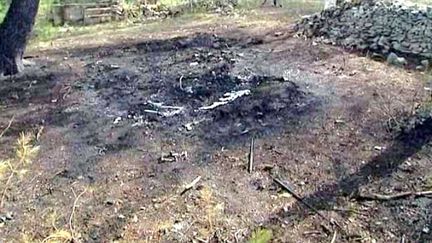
x=14 y=34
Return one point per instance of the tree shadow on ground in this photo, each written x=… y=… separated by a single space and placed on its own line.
x=381 y=166
x=27 y=89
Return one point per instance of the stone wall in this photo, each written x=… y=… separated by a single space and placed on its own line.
x=379 y=28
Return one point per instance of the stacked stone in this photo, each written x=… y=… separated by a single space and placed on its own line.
x=377 y=27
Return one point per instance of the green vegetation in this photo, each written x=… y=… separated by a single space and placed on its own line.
x=261 y=236
x=44 y=30
x=3 y=8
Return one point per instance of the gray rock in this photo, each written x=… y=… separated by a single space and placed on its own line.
x=425 y=63
x=393 y=59
x=9 y=216
x=376 y=27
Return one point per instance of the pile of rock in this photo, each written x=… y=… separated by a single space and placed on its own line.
x=142 y=11
x=380 y=28
x=161 y=11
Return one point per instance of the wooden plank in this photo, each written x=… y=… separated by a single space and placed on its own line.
x=90 y=11
x=85 y=5
x=98 y=15
x=90 y=21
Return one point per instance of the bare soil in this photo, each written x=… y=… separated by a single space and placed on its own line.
x=321 y=117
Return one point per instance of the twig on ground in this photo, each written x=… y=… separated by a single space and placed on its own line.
x=251 y=155
x=190 y=185
x=180 y=82
x=313 y=232
x=8 y=126
x=175 y=109
x=296 y=196
x=189 y=126
x=189 y=227
x=334 y=237
x=77 y=197
x=380 y=197
x=227 y=98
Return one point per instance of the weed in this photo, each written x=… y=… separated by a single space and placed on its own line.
x=428 y=182
x=25 y=151
x=212 y=209
x=261 y=236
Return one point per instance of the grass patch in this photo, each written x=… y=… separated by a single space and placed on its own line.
x=45 y=31
x=261 y=236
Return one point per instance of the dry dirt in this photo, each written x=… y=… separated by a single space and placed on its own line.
x=323 y=121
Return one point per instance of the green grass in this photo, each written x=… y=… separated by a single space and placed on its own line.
x=43 y=28
x=3 y=9
x=261 y=236
x=45 y=31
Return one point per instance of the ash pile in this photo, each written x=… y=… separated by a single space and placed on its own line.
x=402 y=34
x=196 y=86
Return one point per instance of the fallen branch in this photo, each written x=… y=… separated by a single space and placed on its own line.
x=190 y=185
x=180 y=82
x=175 y=109
x=7 y=128
x=228 y=97
x=189 y=126
x=334 y=237
x=296 y=196
x=74 y=206
x=251 y=156
x=380 y=197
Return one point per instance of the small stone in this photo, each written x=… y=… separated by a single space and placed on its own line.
x=277 y=34
x=117 y=120
x=9 y=216
x=426 y=230
x=339 y=121
x=378 y=148
x=393 y=59
x=188 y=127
x=425 y=63
x=28 y=63
x=109 y=202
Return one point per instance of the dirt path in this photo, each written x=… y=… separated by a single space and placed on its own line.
x=319 y=116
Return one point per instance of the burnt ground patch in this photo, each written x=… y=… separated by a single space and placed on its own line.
x=172 y=90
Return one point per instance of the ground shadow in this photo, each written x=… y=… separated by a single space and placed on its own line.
x=35 y=89
x=381 y=166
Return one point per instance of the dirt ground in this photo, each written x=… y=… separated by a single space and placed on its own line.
x=128 y=123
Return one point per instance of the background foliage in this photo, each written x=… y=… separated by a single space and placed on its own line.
x=44 y=30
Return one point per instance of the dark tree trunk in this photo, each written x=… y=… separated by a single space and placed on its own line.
x=14 y=34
